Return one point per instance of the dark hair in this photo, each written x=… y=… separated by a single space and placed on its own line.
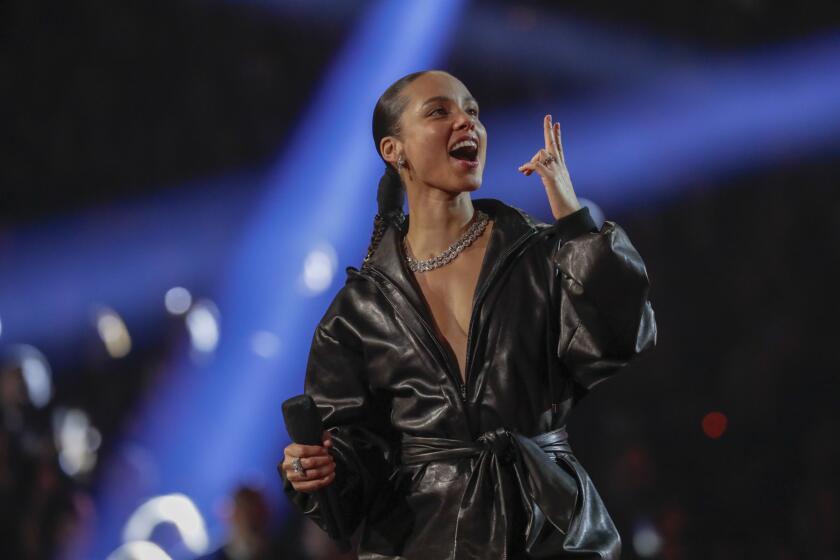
x=391 y=192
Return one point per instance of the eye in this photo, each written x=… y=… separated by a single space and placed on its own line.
x=473 y=111
x=441 y=109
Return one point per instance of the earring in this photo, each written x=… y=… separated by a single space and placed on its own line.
x=401 y=161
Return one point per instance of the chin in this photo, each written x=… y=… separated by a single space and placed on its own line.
x=471 y=182
x=467 y=184
x=472 y=185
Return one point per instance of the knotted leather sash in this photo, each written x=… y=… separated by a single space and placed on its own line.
x=547 y=491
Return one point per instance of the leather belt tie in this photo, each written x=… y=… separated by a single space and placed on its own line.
x=508 y=465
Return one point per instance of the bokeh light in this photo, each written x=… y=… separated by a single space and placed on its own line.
x=318 y=269
x=177 y=509
x=36 y=371
x=265 y=344
x=203 y=326
x=172 y=231
x=76 y=440
x=177 y=300
x=647 y=542
x=714 y=424
x=139 y=550
x=113 y=332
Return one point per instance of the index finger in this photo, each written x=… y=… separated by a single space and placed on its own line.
x=299 y=450
x=550 y=145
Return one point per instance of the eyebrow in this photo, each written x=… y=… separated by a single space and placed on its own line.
x=439 y=98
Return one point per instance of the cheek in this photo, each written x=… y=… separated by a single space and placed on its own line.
x=430 y=146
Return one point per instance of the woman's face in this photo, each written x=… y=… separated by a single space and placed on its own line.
x=440 y=116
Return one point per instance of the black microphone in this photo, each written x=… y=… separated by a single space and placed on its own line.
x=303 y=422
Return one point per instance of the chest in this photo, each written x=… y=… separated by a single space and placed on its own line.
x=449 y=296
x=449 y=293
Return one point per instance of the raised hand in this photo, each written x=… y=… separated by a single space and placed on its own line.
x=550 y=165
x=318 y=465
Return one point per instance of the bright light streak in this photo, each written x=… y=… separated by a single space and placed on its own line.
x=653 y=141
x=260 y=291
x=61 y=265
x=177 y=300
x=113 y=332
x=177 y=509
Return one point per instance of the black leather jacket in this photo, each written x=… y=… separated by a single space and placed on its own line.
x=441 y=469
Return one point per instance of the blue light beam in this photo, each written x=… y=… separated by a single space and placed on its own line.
x=209 y=428
x=652 y=142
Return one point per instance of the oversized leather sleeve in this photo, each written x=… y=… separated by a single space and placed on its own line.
x=605 y=316
x=335 y=379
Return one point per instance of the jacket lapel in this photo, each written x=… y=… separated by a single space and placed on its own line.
x=510 y=226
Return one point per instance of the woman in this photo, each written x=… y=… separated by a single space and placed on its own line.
x=446 y=367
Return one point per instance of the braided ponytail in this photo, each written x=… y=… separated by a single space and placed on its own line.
x=391 y=193
x=390 y=196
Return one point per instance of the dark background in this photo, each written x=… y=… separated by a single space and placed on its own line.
x=105 y=102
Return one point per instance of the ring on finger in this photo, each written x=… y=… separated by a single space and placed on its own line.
x=549 y=159
x=298 y=467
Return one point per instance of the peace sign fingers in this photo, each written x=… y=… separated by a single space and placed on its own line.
x=551 y=131
x=550 y=165
x=558 y=142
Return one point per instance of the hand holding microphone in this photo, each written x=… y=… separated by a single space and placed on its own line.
x=308 y=465
x=316 y=467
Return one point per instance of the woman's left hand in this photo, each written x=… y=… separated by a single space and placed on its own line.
x=554 y=175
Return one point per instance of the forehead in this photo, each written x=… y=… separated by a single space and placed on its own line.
x=436 y=84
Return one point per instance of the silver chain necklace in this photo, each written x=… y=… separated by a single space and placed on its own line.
x=472 y=233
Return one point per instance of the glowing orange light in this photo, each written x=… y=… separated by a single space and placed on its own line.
x=714 y=424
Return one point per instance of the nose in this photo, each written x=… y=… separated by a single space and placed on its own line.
x=464 y=120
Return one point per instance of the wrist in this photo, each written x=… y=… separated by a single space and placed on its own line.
x=562 y=210
x=562 y=203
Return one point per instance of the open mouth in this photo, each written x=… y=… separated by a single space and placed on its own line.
x=465 y=151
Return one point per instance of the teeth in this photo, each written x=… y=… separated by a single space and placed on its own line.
x=463 y=143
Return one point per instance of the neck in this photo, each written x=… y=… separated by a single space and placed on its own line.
x=437 y=219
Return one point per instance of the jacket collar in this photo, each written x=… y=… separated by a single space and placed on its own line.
x=510 y=224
